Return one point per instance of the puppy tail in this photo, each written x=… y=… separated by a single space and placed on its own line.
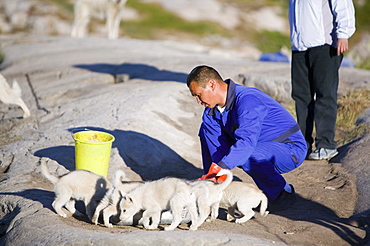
x=263 y=207
x=229 y=178
x=119 y=175
x=45 y=171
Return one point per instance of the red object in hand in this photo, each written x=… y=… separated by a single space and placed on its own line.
x=212 y=174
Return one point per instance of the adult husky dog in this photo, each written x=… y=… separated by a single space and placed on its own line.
x=208 y=195
x=243 y=197
x=110 y=203
x=110 y=10
x=12 y=95
x=79 y=185
x=156 y=196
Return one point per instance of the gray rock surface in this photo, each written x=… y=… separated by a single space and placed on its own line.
x=70 y=85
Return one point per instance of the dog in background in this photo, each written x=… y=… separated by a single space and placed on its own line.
x=208 y=195
x=80 y=185
x=110 y=203
x=243 y=197
x=156 y=196
x=12 y=95
x=110 y=10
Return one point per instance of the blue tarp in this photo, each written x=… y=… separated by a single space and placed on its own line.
x=274 y=57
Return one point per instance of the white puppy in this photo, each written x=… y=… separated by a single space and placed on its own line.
x=243 y=197
x=110 y=203
x=156 y=196
x=208 y=195
x=78 y=185
x=110 y=10
x=12 y=95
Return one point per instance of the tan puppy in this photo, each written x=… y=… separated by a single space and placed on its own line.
x=110 y=203
x=243 y=197
x=78 y=185
x=12 y=95
x=110 y=10
x=208 y=195
x=156 y=196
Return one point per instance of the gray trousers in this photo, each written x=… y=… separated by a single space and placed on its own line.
x=315 y=79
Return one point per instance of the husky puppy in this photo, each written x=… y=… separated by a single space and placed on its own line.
x=12 y=95
x=156 y=196
x=110 y=10
x=243 y=197
x=76 y=185
x=110 y=203
x=208 y=195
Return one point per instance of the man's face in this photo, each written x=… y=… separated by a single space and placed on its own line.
x=204 y=96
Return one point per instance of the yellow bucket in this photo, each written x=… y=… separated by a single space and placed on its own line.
x=92 y=151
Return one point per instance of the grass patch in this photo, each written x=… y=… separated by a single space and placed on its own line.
x=350 y=106
x=64 y=4
x=155 y=21
x=1 y=56
x=270 y=41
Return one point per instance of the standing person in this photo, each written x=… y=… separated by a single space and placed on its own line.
x=244 y=127
x=319 y=32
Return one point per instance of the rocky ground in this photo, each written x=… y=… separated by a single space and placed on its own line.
x=135 y=90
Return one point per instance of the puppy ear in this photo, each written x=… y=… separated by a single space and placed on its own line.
x=127 y=198
x=130 y=199
x=121 y=194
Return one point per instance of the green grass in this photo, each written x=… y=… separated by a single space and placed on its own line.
x=64 y=4
x=350 y=106
x=270 y=41
x=1 y=55
x=155 y=21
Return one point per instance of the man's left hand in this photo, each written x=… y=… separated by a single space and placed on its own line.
x=342 y=45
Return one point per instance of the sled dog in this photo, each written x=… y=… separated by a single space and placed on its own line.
x=110 y=203
x=243 y=197
x=156 y=196
x=84 y=10
x=208 y=195
x=12 y=95
x=80 y=185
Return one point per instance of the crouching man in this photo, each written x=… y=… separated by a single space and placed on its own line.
x=244 y=127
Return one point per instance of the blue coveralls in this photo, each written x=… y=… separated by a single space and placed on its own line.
x=244 y=135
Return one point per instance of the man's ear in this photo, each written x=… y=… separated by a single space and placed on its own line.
x=212 y=83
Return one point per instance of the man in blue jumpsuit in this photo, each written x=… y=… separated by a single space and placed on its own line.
x=244 y=127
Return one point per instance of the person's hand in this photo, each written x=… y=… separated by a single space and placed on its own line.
x=342 y=45
x=212 y=174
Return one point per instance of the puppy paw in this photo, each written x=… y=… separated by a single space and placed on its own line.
x=193 y=228
x=239 y=221
x=230 y=218
x=63 y=215
x=169 y=228
x=151 y=227
x=94 y=220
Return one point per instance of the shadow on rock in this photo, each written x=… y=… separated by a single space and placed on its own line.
x=313 y=212
x=13 y=207
x=45 y=197
x=64 y=155
x=134 y=71
x=148 y=157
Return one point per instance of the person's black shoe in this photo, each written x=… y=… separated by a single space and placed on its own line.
x=283 y=201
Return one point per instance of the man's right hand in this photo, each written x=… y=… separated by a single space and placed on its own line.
x=212 y=174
